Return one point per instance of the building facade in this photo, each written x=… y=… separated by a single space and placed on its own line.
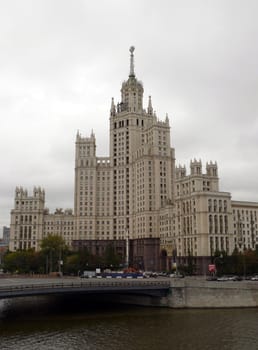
x=203 y=215
x=6 y=236
x=245 y=225
x=27 y=217
x=4 y=242
x=137 y=193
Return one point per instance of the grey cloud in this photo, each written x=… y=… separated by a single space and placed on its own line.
x=62 y=61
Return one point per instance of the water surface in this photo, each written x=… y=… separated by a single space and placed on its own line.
x=71 y=323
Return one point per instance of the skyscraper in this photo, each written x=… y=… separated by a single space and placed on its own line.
x=123 y=194
x=137 y=193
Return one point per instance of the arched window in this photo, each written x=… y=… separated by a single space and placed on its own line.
x=221 y=224
x=216 y=224
x=210 y=224
x=209 y=205
x=226 y=223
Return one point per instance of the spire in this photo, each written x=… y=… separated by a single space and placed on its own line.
x=132 y=62
x=113 y=108
x=132 y=91
x=150 y=109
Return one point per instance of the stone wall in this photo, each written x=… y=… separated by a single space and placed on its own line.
x=191 y=293
x=196 y=293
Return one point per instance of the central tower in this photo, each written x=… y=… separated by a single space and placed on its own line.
x=122 y=196
x=142 y=162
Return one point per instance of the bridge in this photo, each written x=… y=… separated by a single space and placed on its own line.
x=164 y=292
x=24 y=287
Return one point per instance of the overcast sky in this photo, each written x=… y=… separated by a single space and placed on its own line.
x=61 y=62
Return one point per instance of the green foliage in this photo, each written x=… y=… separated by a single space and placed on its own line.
x=111 y=259
x=85 y=260
x=53 y=248
x=239 y=263
x=80 y=261
x=27 y=261
x=72 y=263
x=52 y=243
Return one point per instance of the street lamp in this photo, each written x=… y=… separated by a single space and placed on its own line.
x=60 y=263
x=127 y=248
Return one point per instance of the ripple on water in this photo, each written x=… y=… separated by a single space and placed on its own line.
x=41 y=325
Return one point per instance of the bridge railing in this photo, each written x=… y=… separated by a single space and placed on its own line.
x=123 y=284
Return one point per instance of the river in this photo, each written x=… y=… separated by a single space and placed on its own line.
x=67 y=324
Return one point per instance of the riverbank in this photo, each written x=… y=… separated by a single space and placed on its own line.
x=189 y=292
x=198 y=293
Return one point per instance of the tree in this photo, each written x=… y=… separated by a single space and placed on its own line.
x=53 y=247
x=111 y=258
x=251 y=261
x=72 y=264
x=23 y=261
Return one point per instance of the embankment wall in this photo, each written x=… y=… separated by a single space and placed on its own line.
x=190 y=293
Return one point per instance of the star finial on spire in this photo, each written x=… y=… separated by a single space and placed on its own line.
x=132 y=48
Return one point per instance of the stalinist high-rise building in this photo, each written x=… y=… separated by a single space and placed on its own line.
x=138 y=194
x=123 y=194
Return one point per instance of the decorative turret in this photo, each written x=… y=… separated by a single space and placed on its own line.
x=212 y=169
x=85 y=150
x=196 y=167
x=92 y=135
x=113 y=108
x=21 y=196
x=38 y=193
x=19 y=192
x=180 y=171
x=150 y=109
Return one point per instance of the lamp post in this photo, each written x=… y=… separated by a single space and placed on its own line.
x=127 y=248
x=244 y=265
x=60 y=264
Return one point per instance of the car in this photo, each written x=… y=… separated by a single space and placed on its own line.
x=229 y=278
x=234 y=278
x=254 y=278
x=223 y=279
x=162 y=274
x=176 y=275
x=150 y=274
x=247 y=278
x=88 y=274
